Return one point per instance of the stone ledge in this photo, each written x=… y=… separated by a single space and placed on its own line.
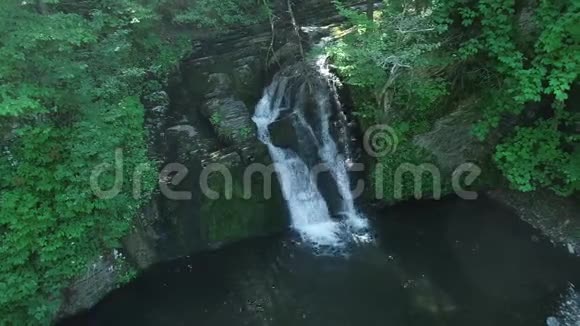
x=556 y=217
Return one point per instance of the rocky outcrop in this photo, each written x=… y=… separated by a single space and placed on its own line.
x=203 y=134
x=102 y=276
x=283 y=133
x=557 y=217
x=201 y=203
x=228 y=115
x=451 y=140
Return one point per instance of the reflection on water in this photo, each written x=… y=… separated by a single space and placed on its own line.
x=440 y=263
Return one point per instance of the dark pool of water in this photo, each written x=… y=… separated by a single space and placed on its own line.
x=451 y=262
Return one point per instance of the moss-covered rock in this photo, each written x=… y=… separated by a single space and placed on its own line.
x=240 y=216
x=431 y=159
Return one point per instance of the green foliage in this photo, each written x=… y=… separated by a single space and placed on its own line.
x=548 y=69
x=245 y=133
x=514 y=58
x=393 y=63
x=53 y=225
x=373 y=51
x=366 y=106
x=390 y=188
x=538 y=155
x=224 y=13
x=419 y=94
x=71 y=77
x=393 y=66
x=215 y=119
x=533 y=157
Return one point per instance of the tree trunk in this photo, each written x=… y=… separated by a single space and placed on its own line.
x=370 y=9
x=296 y=28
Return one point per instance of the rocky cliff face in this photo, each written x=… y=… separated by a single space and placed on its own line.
x=204 y=123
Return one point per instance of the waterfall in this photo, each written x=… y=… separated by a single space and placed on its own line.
x=309 y=211
x=336 y=163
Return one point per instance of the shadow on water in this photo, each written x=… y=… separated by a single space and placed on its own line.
x=450 y=262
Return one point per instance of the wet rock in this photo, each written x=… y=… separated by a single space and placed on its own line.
x=568 y=313
x=571 y=249
x=156 y=112
x=255 y=153
x=186 y=144
x=555 y=216
x=220 y=85
x=140 y=244
x=101 y=277
x=159 y=98
x=248 y=81
x=187 y=129
x=227 y=159
x=283 y=134
x=328 y=188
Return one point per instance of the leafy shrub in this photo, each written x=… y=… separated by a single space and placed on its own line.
x=533 y=157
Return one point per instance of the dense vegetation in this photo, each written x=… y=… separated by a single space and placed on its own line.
x=73 y=76
x=515 y=62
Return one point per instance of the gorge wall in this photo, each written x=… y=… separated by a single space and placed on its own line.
x=205 y=119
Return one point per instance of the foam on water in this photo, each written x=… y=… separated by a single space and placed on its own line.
x=569 y=310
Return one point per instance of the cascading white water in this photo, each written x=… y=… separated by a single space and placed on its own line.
x=308 y=208
x=329 y=153
x=337 y=166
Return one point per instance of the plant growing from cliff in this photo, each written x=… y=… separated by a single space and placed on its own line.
x=216 y=119
x=390 y=180
x=533 y=157
x=245 y=133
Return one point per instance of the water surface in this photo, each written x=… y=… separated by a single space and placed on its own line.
x=451 y=262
